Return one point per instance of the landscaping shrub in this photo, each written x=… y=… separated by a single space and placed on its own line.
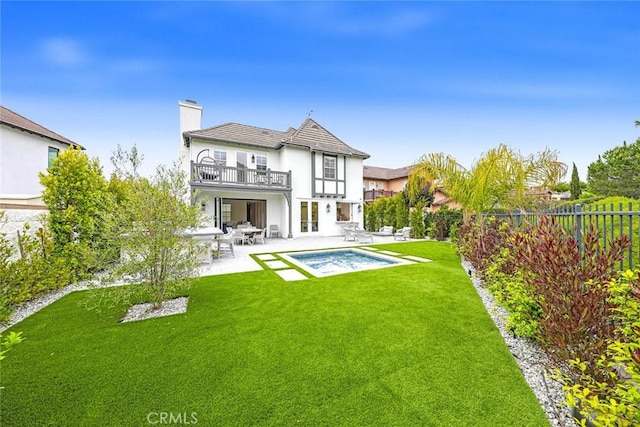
x=416 y=220
x=439 y=224
x=614 y=401
x=479 y=241
x=566 y=283
x=510 y=290
x=37 y=271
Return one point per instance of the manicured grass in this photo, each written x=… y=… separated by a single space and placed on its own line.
x=410 y=345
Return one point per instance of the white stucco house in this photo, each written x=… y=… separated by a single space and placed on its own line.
x=304 y=180
x=26 y=148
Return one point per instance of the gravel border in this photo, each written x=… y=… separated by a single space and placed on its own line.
x=146 y=311
x=529 y=357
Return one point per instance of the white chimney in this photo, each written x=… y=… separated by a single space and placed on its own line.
x=190 y=119
x=190 y=116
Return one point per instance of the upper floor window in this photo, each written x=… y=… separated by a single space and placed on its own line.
x=220 y=157
x=261 y=162
x=53 y=153
x=330 y=167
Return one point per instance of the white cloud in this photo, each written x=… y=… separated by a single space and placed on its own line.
x=64 y=52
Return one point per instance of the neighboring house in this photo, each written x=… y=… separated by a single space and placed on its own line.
x=564 y=195
x=305 y=180
x=26 y=148
x=441 y=199
x=383 y=182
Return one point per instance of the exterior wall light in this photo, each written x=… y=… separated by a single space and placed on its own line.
x=359 y=208
x=253 y=158
x=328 y=207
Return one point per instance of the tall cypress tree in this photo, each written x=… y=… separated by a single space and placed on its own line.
x=575 y=183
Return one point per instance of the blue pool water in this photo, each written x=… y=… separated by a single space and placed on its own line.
x=338 y=261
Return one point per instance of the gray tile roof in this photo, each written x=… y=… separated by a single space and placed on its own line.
x=17 y=121
x=374 y=172
x=310 y=135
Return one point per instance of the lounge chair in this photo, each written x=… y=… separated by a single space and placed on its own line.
x=387 y=230
x=402 y=234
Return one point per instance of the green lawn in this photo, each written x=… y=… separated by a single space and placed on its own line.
x=409 y=345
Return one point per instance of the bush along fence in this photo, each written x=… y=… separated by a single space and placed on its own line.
x=609 y=219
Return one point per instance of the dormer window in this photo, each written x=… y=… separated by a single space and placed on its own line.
x=330 y=167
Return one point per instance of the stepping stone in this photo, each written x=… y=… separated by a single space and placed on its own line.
x=291 y=275
x=389 y=253
x=417 y=258
x=266 y=257
x=274 y=265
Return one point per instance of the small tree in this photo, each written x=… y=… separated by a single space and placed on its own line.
x=155 y=216
x=80 y=206
x=575 y=183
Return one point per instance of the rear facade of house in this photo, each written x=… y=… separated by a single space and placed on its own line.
x=303 y=180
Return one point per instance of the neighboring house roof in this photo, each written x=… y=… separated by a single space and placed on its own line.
x=309 y=135
x=15 y=120
x=374 y=172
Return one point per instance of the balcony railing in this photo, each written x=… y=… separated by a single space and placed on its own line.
x=207 y=173
x=371 y=195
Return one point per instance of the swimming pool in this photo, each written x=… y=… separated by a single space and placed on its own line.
x=330 y=262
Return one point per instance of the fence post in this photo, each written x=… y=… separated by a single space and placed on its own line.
x=578 y=221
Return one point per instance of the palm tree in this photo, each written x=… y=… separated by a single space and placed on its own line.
x=501 y=177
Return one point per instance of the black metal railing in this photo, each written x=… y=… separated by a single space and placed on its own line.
x=611 y=221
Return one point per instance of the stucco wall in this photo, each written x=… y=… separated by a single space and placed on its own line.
x=22 y=156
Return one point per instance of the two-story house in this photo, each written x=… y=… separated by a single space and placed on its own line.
x=26 y=148
x=305 y=180
x=383 y=182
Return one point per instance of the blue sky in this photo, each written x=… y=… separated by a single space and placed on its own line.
x=394 y=79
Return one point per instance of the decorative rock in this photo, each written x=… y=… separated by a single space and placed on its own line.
x=529 y=357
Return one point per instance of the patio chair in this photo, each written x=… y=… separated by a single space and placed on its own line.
x=274 y=231
x=225 y=243
x=363 y=236
x=261 y=237
x=402 y=234
x=204 y=248
x=350 y=234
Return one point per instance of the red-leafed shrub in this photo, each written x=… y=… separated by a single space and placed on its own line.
x=480 y=242
x=566 y=281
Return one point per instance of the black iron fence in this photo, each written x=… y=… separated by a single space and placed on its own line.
x=611 y=221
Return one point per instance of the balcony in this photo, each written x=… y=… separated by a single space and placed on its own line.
x=212 y=175
x=371 y=195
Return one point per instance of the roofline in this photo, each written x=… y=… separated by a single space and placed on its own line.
x=72 y=143
x=187 y=134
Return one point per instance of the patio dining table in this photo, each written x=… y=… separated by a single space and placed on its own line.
x=249 y=233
